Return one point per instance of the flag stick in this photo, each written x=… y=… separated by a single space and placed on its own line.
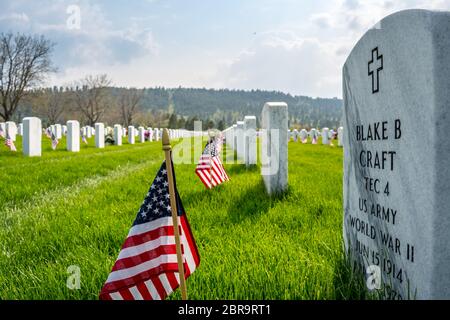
x=173 y=204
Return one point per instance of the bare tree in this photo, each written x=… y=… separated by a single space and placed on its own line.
x=24 y=62
x=90 y=97
x=52 y=104
x=128 y=102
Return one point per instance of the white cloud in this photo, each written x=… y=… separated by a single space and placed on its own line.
x=301 y=57
x=15 y=17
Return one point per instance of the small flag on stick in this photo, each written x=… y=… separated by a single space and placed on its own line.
x=10 y=144
x=160 y=251
x=210 y=169
x=54 y=141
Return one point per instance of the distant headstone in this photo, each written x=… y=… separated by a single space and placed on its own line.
x=141 y=134
x=240 y=140
x=32 y=137
x=20 y=129
x=313 y=135
x=156 y=134
x=118 y=134
x=396 y=157
x=274 y=150
x=131 y=135
x=150 y=134
x=250 y=140
x=340 y=136
x=88 y=131
x=73 y=136
x=64 y=130
x=303 y=136
x=99 y=135
x=58 y=131
x=295 y=135
x=234 y=137
x=11 y=130
x=325 y=136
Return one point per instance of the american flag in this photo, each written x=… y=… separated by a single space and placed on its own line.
x=147 y=264
x=304 y=139
x=210 y=169
x=48 y=133
x=54 y=141
x=10 y=144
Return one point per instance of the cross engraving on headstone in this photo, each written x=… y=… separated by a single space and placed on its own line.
x=374 y=67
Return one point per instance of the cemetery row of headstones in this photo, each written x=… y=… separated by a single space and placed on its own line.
x=328 y=135
x=31 y=131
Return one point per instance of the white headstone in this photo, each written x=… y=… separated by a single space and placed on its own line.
x=118 y=134
x=150 y=134
x=73 y=136
x=131 y=135
x=274 y=146
x=325 y=137
x=99 y=135
x=303 y=136
x=240 y=140
x=20 y=129
x=234 y=137
x=340 y=136
x=32 y=137
x=58 y=131
x=313 y=135
x=295 y=135
x=64 y=130
x=11 y=130
x=396 y=157
x=250 y=140
x=141 y=134
x=88 y=131
x=156 y=132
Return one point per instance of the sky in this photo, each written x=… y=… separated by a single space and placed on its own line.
x=294 y=46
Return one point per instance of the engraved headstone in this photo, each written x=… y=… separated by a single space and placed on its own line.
x=396 y=182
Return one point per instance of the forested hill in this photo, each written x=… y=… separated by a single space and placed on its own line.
x=232 y=105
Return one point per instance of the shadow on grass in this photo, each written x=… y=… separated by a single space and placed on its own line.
x=241 y=168
x=254 y=202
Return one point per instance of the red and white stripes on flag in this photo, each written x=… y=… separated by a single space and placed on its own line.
x=147 y=266
x=209 y=168
x=10 y=144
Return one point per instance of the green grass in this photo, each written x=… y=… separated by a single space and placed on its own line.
x=68 y=209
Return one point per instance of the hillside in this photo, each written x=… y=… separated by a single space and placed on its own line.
x=232 y=105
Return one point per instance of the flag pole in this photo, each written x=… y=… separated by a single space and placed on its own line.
x=173 y=204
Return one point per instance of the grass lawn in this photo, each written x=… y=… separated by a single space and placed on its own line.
x=68 y=209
